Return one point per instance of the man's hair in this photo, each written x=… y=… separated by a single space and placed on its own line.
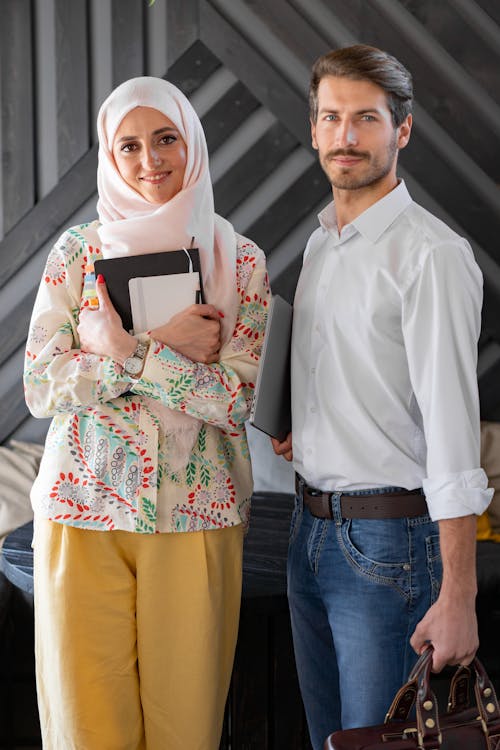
x=363 y=63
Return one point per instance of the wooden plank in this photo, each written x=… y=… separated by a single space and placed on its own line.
x=73 y=105
x=127 y=39
x=295 y=203
x=48 y=216
x=183 y=26
x=14 y=411
x=101 y=58
x=264 y=82
x=17 y=111
x=15 y=326
x=193 y=68
x=227 y=115
x=455 y=196
x=46 y=97
x=155 y=24
x=253 y=167
x=288 y=26
x=492 y=8
x=448 y=21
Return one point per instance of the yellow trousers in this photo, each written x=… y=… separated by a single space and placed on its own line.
x=135 y=636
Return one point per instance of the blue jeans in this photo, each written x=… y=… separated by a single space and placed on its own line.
x=357 y=589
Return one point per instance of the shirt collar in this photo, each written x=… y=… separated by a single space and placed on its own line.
x=373 y=222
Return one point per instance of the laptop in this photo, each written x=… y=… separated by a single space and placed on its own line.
x=271 y=406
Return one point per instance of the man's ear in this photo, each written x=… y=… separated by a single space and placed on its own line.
x=404 y=131
x=313 y=134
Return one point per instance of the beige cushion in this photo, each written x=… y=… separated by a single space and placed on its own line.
x=19 y=464
x=490 y=461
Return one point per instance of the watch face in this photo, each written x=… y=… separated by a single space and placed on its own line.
x=133 y=365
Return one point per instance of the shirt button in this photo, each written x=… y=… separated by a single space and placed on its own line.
x=317 y=328
x=313 y=370
x=313 y=410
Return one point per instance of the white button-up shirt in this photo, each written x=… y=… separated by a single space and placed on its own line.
x=384 y=352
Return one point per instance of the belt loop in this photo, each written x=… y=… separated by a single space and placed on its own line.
x=299 y=491
x=335 y=508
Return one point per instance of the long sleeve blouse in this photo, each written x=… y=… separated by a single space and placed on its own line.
x=105 y=464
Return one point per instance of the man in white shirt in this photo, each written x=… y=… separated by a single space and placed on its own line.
x=385 y=415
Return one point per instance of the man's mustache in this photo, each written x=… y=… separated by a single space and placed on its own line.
x=347 y=152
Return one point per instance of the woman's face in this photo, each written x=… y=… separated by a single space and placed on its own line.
x=150 y=154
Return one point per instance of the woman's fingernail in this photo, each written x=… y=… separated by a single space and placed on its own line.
x=221 y=314
x=100 y=279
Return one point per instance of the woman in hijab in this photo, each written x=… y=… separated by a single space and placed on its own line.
x=144 y=489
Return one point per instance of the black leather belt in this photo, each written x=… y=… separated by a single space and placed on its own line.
x=400 y=504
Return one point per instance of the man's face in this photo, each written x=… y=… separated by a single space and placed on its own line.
x=356 y=139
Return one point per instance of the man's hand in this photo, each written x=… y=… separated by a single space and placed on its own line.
x=101 y=331
x=285 y=448
x=194 y=332
x=451 y=624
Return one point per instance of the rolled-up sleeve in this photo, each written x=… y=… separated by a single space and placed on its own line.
x=441 y=326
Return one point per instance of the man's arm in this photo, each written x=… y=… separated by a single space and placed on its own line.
x=451 y=624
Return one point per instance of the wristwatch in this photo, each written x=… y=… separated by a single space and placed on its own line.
x=134 y=364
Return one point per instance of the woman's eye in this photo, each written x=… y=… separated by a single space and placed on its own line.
x=168 y=139
x=128 y=148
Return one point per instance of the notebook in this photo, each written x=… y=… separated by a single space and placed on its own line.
x=117 y=273
x=155 y=299
x=271 y=406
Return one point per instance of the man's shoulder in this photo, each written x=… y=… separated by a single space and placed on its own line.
x=430 y=227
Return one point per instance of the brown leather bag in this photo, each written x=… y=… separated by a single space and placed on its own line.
x=460 y=728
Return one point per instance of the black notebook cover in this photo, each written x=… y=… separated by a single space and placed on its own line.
x=271 y=409
x=118 y=271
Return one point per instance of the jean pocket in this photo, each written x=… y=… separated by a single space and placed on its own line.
x=378 y=549
x=434 y=564
x=295 y=521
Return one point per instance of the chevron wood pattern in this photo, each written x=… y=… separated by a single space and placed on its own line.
x=245 y=64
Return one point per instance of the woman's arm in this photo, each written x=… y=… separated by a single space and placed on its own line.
x=58 y=376
x=218 y=393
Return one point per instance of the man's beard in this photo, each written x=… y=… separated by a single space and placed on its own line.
x=379 y=167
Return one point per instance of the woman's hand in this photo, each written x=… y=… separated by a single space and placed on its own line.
x=101 y=331
x=194 y=333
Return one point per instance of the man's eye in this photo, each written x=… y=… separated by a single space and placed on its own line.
x=331 y=118
x=368 y=118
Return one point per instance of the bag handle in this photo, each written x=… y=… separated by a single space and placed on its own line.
x=417 y=689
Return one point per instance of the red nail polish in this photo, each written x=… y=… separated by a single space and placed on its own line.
x=100 y=279
x=221 y=314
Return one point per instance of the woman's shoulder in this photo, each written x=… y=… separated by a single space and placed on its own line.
x=246 y=248
x=81 y=235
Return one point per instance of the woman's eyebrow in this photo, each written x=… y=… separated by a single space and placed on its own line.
x=155 y=132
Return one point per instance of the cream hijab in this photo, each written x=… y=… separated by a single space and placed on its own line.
x=130 y=225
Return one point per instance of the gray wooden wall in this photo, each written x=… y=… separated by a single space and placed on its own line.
x=245 y=65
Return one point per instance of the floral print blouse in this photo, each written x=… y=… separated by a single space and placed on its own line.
x=105 y=461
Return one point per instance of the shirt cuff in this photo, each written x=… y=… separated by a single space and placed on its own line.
x=454 y=495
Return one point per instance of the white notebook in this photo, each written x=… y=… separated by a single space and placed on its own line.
x=155 y=299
